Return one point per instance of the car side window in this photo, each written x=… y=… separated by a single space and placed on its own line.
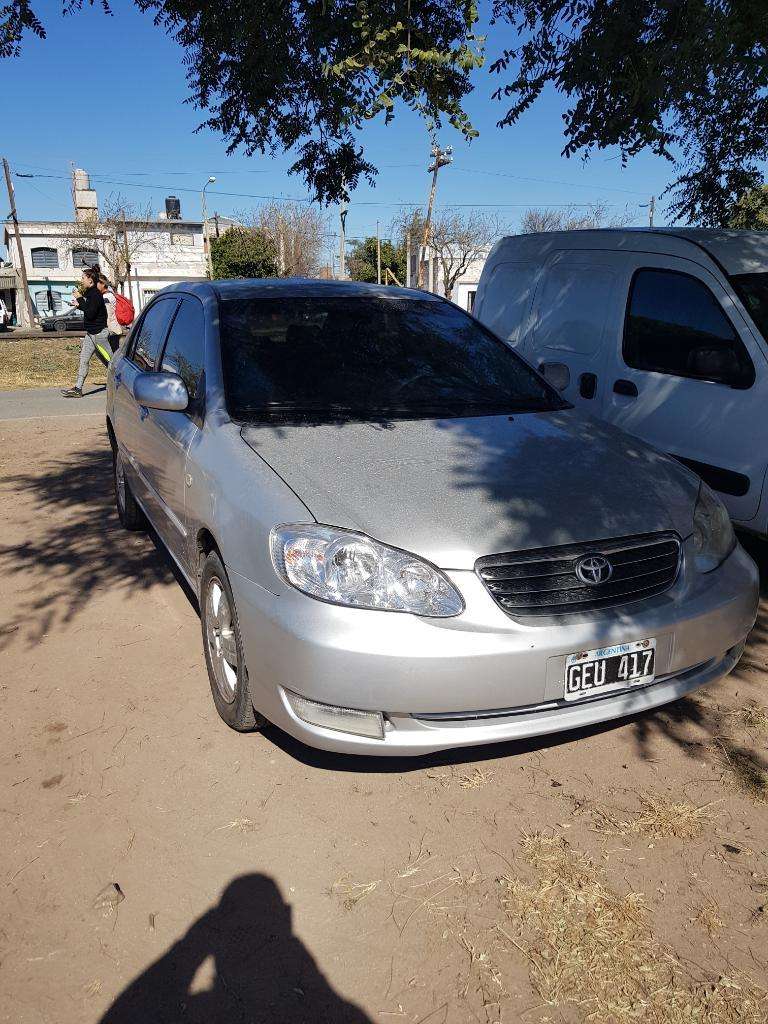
x=675 y=325
x=185 y=350
x=150 y=336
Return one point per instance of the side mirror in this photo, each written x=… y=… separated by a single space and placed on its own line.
x=161 y=390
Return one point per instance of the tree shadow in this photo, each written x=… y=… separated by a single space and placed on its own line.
x=76 y=542
x=262 y=973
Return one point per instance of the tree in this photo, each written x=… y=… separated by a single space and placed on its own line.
x=458 y=240
x=298 y=232
x=243 y=252
x=569 y=219
x=687 y=80
x=119 y=235
x=750 y=212
x=307 y=74
x=363 y=261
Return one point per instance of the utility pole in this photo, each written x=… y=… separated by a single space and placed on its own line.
x=440 y=158
x=343 y=209
x=22 y=263
x=378 y=254
x=206 y=240
x=650 y=206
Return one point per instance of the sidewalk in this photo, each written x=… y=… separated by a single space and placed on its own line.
x=45 y=402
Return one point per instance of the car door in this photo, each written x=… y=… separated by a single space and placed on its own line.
x=146 y=344
x=171 y=436
x=691 y=377
x=576 y=300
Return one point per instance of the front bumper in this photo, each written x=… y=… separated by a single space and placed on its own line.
x=480 y=677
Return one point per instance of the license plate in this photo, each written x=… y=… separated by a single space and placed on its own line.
x=591 y=673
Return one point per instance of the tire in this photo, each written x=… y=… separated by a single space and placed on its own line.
x=60 y=325
x=128 y=509
x=223 y=647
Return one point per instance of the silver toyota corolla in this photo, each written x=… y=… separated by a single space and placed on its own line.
x=401 y=537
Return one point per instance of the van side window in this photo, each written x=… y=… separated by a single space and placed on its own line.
x=675 y=325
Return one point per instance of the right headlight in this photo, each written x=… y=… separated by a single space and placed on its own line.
x=347 y=568
x=713 y=536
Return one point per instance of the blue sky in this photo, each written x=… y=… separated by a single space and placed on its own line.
x=141 y=134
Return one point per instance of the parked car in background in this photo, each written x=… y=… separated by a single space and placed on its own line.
x=661 y=332
x=401 y=537
x=66 y=320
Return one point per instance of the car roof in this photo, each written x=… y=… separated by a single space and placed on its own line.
x=736 y=252
x=296 y=287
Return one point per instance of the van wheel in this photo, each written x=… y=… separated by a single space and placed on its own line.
x=128 y=509
x=223 y=648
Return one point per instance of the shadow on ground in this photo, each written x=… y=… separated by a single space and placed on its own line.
x=261 y=972
x=75 y=546
x=78 y=548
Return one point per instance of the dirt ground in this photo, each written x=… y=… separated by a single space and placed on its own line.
x=157 y=867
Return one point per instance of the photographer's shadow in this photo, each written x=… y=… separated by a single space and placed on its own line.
x=262 y=972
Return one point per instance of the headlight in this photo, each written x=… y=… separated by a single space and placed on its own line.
x=713 y=536
x=351 y=569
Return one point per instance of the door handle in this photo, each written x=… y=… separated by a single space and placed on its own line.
x=118 y=379
x=588 y=385
x=625 y=387
x=143 y=412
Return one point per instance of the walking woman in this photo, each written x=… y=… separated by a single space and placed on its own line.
x=91 y=301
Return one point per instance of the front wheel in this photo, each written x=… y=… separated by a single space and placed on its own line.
x=60 y=325
x=128 y=509
x=223 y=647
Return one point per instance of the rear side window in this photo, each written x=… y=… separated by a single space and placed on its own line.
x=675 y=325
x=573 y=308
x=185 y=349
x=151 y=334
x=506 y=299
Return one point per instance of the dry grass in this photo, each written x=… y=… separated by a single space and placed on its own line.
x=587 y=946
x=660 y=818
x=743 y=770
x=352 y=893
x=707 y=916
x=44 y=362
x=751 y=715
x=476 y=779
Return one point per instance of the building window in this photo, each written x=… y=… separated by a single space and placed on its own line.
x=471 y=296
x=182 y=238
x=84 y=258
x=47 y=301
x=45 y=259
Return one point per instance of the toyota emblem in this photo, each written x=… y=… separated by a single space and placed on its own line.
x=594 y=569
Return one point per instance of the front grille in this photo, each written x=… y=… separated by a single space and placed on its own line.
x=544 y=581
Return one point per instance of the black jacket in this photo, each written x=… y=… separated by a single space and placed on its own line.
x=94 y=310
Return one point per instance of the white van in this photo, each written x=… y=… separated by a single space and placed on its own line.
x=663 y=332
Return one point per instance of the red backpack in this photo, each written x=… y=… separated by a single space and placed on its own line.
x=124 y=312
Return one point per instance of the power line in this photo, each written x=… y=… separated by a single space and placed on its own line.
x=307 y=199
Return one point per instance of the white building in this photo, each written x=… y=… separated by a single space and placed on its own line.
x=465 y=288
x=160 y=252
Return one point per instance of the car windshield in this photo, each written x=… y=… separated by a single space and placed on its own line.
x=752 y=289
x=368 y=356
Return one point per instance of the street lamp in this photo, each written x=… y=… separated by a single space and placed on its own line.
x=206 y=243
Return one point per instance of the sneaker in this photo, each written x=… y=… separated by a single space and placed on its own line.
x=72 y=393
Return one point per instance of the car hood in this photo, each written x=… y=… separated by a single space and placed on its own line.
x=453 y=490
